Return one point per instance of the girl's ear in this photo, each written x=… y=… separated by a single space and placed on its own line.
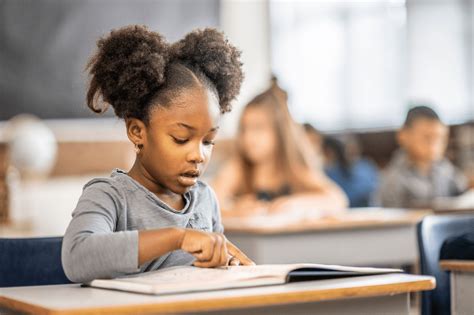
x=136 y=131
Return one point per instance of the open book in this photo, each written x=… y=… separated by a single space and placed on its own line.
x=184 y=279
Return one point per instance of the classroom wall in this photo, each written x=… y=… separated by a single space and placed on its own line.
x=246 y=23
x=45 y=46
x=440 y=55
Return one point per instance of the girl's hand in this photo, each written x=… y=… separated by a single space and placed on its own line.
x=305 y=206
x=282 y=204
x=212 y=249
x=248 y=205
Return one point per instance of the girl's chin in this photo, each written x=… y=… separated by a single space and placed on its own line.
x=180 y=190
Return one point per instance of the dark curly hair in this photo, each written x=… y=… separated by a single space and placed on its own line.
x=135 y=69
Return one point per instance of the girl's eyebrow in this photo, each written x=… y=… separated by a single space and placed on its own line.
x=186 y=126
x=193 y=128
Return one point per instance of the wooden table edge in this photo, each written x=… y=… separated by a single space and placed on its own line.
x=296 y=229
x=410 y=218
x=228 y=303
x=457 y=265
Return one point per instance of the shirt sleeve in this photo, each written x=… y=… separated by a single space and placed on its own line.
x=217 y=226
x=91 y=247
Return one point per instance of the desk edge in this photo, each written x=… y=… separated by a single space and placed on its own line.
x=228 y=303
x=457 y=265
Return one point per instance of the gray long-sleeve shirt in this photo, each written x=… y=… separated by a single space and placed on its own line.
x=101 y=240
x=403 y=186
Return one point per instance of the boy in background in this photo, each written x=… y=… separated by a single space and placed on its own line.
x=419 y=172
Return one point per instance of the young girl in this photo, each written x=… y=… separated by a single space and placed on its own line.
x=273 y=170
x=158 y=214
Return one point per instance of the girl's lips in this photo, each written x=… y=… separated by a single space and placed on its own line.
x=192 y=173
x=187 y=180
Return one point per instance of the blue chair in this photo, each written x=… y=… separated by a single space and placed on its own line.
x=432 y=232
x=31 y=261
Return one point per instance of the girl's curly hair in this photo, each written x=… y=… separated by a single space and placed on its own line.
x=135 y=68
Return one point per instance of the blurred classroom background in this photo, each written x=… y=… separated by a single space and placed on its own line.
x=351 y=69
x=348 y=70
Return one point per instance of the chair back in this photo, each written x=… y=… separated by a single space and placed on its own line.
x=431 y=233
x=31 y=261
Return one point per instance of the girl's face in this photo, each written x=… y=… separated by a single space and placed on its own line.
x=179 y=140
x=257 y=135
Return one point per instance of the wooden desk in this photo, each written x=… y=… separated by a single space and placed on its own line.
x=462 y=285
x=382 y=294
x=460 y=204
x=366 y=237
x=454 y=210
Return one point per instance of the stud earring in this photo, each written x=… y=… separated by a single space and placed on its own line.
x=138 y=147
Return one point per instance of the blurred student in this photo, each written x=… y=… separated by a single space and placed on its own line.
x=357 y=176
x=273 y=170
x=419 y=172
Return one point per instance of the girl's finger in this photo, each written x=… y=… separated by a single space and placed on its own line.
x=224 y=256
x=216 y=254
x=235 y=252
x=205 y=252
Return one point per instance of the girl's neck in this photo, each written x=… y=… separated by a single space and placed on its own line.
x=267 y=176
x=139 y=173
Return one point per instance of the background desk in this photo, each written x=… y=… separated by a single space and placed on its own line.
x=454 y=211
x=462 y=285
x=382 y=294
x=371 y=237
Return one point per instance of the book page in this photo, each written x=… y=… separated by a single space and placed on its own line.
x=190 y=274
x=191 y=279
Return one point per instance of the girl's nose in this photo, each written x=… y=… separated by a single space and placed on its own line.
x=197 y=155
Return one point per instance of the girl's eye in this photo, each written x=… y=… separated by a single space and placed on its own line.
x=209 y=142
x=180 y=141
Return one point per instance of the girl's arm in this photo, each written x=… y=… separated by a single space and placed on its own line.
x=209 y=249
x=92 y=248
x=321 y=195
x=226 y=185
x=319 y=204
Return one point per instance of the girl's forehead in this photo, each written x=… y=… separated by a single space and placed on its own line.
x=195 y=107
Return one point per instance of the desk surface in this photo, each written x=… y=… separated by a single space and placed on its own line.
x=457 y=265
x=23 y=229
x=469 y=210
x=73 y=299
x=355 y=219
